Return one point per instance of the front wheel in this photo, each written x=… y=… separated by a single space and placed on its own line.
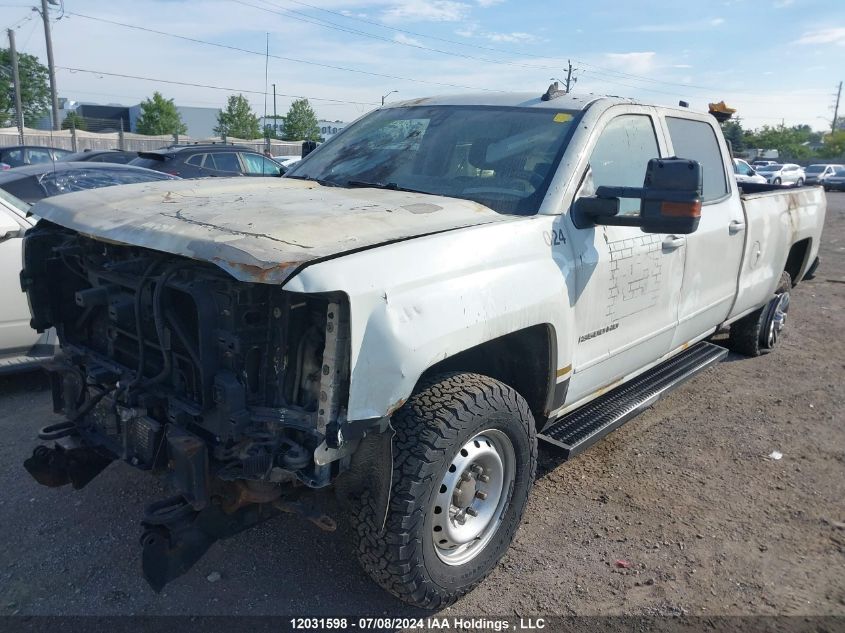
x=776 y=181
x=464 y=459
x=800 y=182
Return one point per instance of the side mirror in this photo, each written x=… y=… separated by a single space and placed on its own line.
x=671 y=200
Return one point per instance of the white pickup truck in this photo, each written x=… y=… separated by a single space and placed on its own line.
x=403 y=317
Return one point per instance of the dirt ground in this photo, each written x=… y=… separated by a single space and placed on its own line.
x=685 y=494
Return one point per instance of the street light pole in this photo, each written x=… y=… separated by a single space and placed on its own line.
x=45 y=16
x=387 y=95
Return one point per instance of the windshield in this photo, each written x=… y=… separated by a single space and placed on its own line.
x=501 y=157
x=770 y=168
x=815 y=169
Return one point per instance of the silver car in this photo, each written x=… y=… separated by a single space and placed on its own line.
x=836 y=181
x=816 y=174
x=788 y=174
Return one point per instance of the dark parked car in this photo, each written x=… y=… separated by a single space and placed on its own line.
x=102 y=156
x=35 y=182
x=20 y=155
x=836 y=181
x=200 y=161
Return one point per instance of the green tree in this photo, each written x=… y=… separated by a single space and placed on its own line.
x=160 y=116
x=75 y=121
x=238 y=120
x=732 y=129
x=790 y=142
x=35 y=89
x=834 y=145
x=301 y=122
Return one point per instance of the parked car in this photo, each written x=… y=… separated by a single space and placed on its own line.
x=20 y=155
x=816 y=174
x=35 y=182
x=744 y=173
x=450 y=281
x=788 y=174
x=101 y=156
x=836 y=180
x=762 y=163
x=21 y=347
x=287 y=161
x=200 y=161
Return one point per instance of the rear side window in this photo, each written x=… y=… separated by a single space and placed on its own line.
x=37 y=156
x=196 y=160
x=225 y=161
x=696 y=140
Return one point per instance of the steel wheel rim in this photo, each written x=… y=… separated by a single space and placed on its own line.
x=472 y=497
x=778 y=320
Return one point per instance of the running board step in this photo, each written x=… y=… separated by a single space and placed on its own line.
x=586 y=425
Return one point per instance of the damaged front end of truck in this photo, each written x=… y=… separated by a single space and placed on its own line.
x=232 y=391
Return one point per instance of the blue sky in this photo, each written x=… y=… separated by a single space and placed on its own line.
x=774 y=60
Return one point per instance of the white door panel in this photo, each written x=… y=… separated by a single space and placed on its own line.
x=714 y=251
x=628 y=281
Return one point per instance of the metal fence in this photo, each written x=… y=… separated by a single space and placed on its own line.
x=79 y=140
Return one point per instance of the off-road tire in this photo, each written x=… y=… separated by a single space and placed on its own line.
x=444 y=413
x=746 y=334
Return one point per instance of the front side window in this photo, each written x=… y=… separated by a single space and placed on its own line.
x=742 y=169
x=257 y=165
x=620 y=157
x=696 y=140
x=501 y=157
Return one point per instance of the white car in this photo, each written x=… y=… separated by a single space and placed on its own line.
x=788 y=174
x=745 y=173
x=287 y=161
x=21 y=347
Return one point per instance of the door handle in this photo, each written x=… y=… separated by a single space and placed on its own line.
x=735 y=227
x=672 y=242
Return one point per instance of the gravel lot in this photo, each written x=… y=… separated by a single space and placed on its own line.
x=685 y=493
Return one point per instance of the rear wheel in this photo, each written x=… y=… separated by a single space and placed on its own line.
x=759 y=332
x=465 y=455
x=800 y=182
x=776 y=181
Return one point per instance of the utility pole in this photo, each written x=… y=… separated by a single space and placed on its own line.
x=45 y=15
x=836 y=109
x=275 y=119
x=570 y=81
x=17 y=79
x=387 y=95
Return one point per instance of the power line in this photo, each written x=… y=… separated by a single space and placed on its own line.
x=287 y=59
x=598 y=70
x=195 y=85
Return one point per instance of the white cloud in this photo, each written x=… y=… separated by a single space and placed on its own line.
x=488 y=3
x=636 y=62
x=834 y=35
x=681 y=65
x=780 y=4
x=676 y=27
x=404 y=39
x=511 y=38
x=426 y=11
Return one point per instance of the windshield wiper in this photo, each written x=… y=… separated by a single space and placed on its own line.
x=382 y=185
x=319 y=181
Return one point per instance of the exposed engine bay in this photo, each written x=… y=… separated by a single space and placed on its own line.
x=230 y=390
